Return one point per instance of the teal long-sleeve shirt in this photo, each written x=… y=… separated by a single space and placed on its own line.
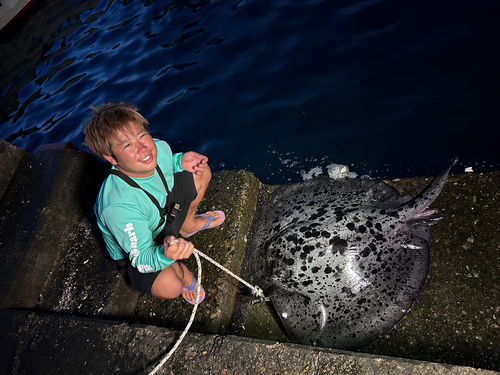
x=128 y=219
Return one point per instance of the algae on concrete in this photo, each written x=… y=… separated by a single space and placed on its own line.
x=251 y=318
x=456 y=318
x=235 y=193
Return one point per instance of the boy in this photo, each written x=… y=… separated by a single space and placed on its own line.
x=148 y=200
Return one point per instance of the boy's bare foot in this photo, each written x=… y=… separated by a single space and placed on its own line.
x=189 y=292
x=208 y=220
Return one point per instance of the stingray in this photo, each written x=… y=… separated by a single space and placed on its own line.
x=343 y=260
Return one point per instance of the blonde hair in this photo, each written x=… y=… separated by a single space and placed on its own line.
x=105 y=122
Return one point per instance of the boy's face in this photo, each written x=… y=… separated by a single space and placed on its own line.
x=134 y=152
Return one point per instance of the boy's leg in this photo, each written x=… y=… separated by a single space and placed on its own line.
x=170 y=282
x=193 y=223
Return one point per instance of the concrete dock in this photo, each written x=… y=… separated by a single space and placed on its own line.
x=66 y=309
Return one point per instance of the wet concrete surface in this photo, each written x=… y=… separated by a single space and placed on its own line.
x=48 y=344
x=11 y=157
x=68 y=276
x=457 y=316
x=43 y=201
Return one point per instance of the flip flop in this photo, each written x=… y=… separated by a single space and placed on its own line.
x=192 y=288
x=207 y=225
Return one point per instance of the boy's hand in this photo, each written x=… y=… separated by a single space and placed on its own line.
x=177 y=248
x=194 y=162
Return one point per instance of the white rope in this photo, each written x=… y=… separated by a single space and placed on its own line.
x=191 y=319
x=255 y=290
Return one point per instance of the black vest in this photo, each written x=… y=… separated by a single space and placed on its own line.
x=163 y=211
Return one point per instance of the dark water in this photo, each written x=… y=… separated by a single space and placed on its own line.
x=389 y=88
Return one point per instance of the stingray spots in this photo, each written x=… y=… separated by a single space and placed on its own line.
x=292 y=238
x=414 y=203
x=338 y=245
x=393 y=214
x=325 y=234
x=311 y=231
x=361 y=301
x=347 y=292
x=307 y=249
x=361 y=228
x=365 y=252
x=346 y=239
x=319 y=213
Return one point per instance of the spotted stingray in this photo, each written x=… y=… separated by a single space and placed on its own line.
x=343 y=260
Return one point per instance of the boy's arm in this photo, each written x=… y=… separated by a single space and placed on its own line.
x=194 y=162
x=131 y=231
x=177 y=162
x=173 y=161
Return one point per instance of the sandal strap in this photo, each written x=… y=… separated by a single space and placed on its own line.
x=209 y=220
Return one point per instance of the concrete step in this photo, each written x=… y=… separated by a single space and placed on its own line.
x=46 y=344
x=45 y=198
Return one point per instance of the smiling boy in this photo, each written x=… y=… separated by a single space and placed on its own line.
x=148 y=201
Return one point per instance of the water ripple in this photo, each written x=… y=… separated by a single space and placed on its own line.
x=322 y=80
x=182 y=38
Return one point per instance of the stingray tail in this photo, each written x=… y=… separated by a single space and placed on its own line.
x=417 y=205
